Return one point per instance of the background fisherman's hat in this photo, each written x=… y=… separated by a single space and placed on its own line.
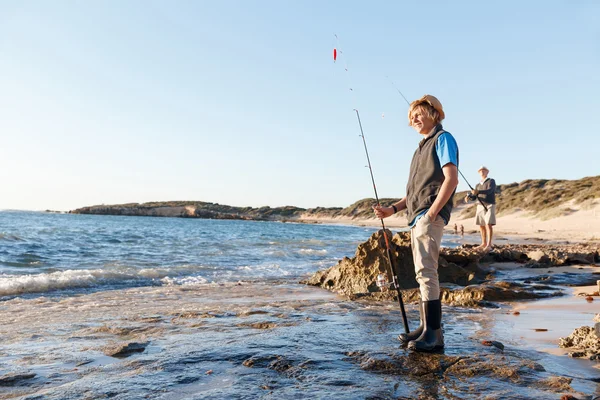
x=483 y=167
x=432 y=101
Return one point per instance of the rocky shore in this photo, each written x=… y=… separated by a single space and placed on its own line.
x=467 y=276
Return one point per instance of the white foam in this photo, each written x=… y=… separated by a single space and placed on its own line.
x=184 y=281
x=312 y=251
x=11 y=285
x=38 y=283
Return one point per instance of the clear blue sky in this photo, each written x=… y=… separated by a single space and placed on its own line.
x=240 y=103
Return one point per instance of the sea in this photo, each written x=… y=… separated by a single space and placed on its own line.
x=212 y=309
x=54 y=254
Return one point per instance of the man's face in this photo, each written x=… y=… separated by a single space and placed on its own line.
x=483 y=173
x=421 y=122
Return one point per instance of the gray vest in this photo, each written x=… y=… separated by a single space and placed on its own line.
x=426 y=178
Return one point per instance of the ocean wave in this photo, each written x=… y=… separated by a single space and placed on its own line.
x=312 y=251
x=184 y=281
x=11 y=285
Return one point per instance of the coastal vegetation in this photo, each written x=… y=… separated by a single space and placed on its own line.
x=545 y=198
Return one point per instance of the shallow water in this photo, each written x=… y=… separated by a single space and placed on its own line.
x=73 y=285
x=258 y=341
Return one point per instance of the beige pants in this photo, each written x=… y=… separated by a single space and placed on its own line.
x=425 y=239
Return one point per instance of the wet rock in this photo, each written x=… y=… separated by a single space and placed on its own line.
x=542 y=256
x=265 y=325
x=259 y=325
x=260 y=361
x=538 y=256
x=280 y=365
x=15 y=378
x=584 y=341
x=558 y=383
x=481 y=295
x=413 y=364
x=357 y=275
x=450 y=367
x=494 y=343
x=486 y=366
x=122 y=350
x=484 y=295
x=566 y=279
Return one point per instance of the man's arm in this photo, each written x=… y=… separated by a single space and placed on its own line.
x=384 y=212
x=448 y=186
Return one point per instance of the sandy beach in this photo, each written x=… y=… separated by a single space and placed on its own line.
x=581 y=224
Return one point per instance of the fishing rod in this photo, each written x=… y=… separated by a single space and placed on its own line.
x=471 y=187
x=392 y=269
x=387 y=244
x=461 y=174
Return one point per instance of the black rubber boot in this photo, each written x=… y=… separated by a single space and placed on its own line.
x=404 y=338
x=432 y=338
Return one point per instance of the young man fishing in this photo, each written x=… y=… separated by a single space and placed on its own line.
x=431 y=185
x=485 y=191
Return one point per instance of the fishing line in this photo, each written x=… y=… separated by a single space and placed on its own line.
x=338 y=52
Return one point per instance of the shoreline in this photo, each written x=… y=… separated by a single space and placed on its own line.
x=582 y=226
x=577 y=226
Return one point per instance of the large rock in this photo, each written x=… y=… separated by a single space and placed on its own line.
x=462 y=278
x=357 y=275
x=584 y=342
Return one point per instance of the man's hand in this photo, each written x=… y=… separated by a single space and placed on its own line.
x=383 y=212
x=431 y=217
x=467 y=198
x=475 y=192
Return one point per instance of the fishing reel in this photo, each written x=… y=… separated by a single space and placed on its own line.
x=383 y=284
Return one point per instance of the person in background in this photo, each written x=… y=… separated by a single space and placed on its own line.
x=485 y=191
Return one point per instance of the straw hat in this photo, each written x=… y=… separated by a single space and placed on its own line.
x=432 y=101
x=483 y=167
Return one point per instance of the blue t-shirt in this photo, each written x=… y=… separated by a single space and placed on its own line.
x=447 y=152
